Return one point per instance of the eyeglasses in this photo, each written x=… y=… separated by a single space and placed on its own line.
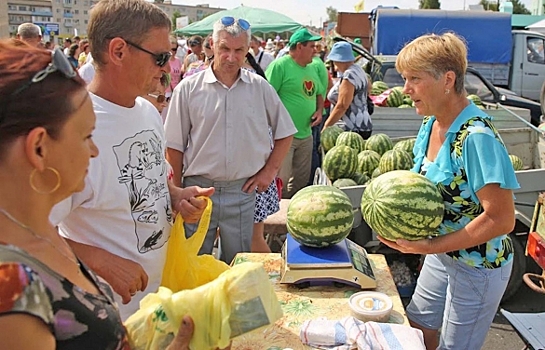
x=174 y=49
x=158 y=98
x=229 y=21
x=59 y=62
x=193 y=43
x=161 y=59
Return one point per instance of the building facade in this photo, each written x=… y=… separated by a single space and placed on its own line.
x=33 y=11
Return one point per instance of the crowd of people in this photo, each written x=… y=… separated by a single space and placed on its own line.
x=122 y=134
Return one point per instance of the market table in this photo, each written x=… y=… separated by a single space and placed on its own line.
x=300 y=305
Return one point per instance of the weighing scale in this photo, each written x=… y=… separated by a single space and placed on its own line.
x=342 y=263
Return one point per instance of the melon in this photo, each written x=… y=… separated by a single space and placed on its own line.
x=340 y=183
x=395 y=159
x=378 y=87
x=367 y=162
x=329 y=136
x=406 y=145
x=402 y=204
x=376 y=173
x=379 y=143
x=352 y=140
x=319 y=216
x=395 y=98
x=476 y=99
x=340 y=162
x=518 y=164
x=360 y=179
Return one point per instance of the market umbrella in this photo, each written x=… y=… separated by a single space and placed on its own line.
x=261 y=21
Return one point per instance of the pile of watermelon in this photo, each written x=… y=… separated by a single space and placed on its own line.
x=352 y=158
x=319 y=216
x=518 y=164
x=402 y=204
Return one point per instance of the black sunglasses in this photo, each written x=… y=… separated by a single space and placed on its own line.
x=161 y=59
x=229 y=21
x=158 y=98
x=194 y=43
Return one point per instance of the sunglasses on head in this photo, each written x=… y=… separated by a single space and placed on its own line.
x=161 y=59
x=194 y=43
x=158 y=98
x=229 y=21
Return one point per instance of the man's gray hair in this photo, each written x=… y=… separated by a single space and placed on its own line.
x=29 y=31
x=234 y=30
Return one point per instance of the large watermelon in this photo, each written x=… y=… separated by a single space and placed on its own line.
x=340 y=162
x=406 y=145
x=378 y=87
x=402 y=204
x=352 y=140
x=340 y=183
x=368 y=161
x=319 y=216
x=329 y=136
x=376 y=173
x=395 y=159
x=379 y=143
x=518 y=164
x=395 y=98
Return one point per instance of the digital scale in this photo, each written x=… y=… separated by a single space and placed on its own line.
x=342 y=263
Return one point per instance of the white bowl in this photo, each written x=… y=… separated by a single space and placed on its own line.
x=371 y=306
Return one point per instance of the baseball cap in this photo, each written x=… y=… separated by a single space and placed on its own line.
x=341 y=52
x=302 y=36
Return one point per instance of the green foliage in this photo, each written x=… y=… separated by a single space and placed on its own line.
x=175 y=15
x=331 y=13
x=518 y=6
x=430 y=4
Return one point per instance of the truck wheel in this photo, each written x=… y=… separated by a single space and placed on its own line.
x=519 y=268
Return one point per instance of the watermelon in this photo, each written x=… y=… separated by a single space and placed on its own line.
x=329 y=136
x=340 y=162
x=376 y=173
x=379 y=143
x=395 y=159
x=367 y=161
x=340 y=183
x=406 y=145
x=405 y=106
x=402 y=204
x=319 y=216
x=352 y=140
x=395 y=98
x=518 y=164
x=378 y=87
x=360 y=179
x=476 y=99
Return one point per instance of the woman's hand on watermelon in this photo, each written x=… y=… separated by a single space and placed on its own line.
x=421 y=246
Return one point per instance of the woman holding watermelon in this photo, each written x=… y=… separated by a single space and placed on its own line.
x=467 y=266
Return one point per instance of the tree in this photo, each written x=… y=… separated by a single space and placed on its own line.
x=489 y=5
x=331 y=14
x=430 y=4
x=175 y=15
x=518 y=7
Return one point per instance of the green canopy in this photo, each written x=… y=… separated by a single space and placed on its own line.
x=261 y=21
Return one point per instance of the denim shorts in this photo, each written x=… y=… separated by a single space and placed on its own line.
x=459 y=299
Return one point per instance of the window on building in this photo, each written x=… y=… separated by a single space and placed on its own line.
x=76 y=12
x=86 y=3
x=85 y=12
x=86 y=21
x=22 y=8
x=58 y=10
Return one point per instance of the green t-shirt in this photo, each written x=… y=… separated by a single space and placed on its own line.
x=298 y=88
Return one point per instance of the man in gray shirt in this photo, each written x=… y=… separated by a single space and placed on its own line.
x=217 y=132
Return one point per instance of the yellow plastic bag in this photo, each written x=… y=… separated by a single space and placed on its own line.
x=183 y=268
x=240 y=300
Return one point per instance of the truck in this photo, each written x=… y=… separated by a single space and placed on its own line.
x=512 y=59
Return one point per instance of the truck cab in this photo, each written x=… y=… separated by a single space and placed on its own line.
x=528 y=65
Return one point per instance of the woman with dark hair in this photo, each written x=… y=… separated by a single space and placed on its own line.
x=49 y=299
x=73 y=53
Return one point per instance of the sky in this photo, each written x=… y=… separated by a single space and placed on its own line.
x=312 y=12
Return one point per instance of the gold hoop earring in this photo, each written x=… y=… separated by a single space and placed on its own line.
x=31 y=181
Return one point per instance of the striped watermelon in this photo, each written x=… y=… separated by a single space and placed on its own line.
x=360 y=179
x=376 y=173
x=518 y=164
x=406 y=145
x=352 y=140
x=368 y=161
x=319 y=216
x=395 y=159
x=329 y=136
x=402 y=204
x=379 y=143
x=378 y=87
x=395 y=98
x=340 y=162
x=476 y=99
x=339 y=183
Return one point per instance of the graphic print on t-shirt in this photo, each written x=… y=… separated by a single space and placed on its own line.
x=142 y=168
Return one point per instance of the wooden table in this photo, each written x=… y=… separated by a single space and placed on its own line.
x=300 y=305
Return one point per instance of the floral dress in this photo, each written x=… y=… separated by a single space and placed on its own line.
x=77 y=319
x=472 y=156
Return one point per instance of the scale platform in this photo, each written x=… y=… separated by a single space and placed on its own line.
x=343 y=263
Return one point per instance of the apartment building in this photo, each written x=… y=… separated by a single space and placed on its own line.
x=4 y=23
x=34 y=11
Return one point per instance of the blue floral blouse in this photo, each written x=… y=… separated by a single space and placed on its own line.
x=472 y=156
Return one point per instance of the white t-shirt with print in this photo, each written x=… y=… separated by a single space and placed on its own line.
x=125 y=207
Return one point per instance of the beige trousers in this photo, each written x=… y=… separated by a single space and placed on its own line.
x=295 y=169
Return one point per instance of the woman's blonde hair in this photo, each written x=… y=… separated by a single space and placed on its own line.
x=436 y=55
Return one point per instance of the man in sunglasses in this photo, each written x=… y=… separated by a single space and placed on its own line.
x=217 y=131
x=120 y=223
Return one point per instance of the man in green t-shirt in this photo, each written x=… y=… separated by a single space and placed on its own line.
x=302 y=92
